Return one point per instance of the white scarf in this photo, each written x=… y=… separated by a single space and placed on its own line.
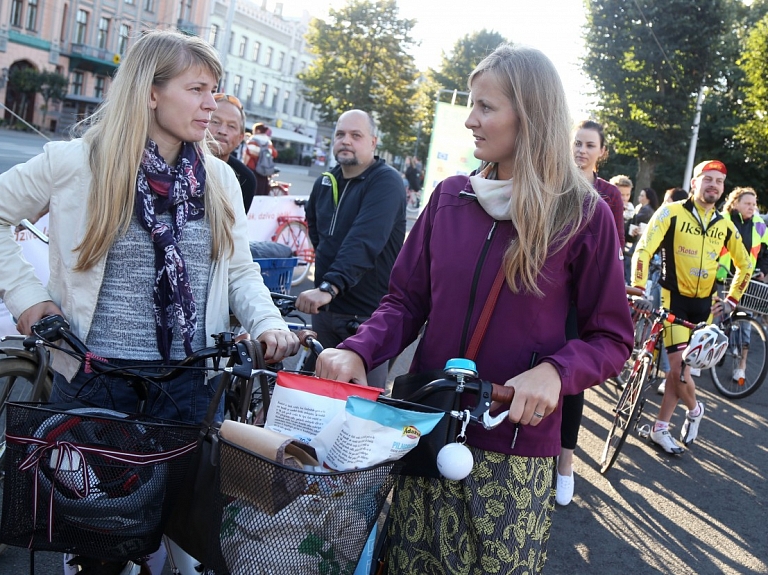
x=494 y=196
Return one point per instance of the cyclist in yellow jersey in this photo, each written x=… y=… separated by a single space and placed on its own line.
x=690 y=234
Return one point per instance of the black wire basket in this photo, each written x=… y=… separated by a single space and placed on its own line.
x=90 y=481
x=277 y=519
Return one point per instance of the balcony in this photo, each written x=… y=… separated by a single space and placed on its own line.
x=92 y=59
x=187 y=27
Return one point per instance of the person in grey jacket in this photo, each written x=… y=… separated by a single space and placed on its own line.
x=356 y=219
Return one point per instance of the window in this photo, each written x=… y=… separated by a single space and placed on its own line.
x=77 y=83
x=256 y=50
x=241 y=48
x=275 y=94
x=286 y=102
x=213 y=35
x=129 y=2
x=149 y=5
x=249 y=90
x=17 y=9
x=268 y=63
x=98 y=89
x=231 y=46
x=280 y=60
x=103 y=32
x=185 y=10
x=292 y=69
x=32 y=15
x=236 y=86
x=263 y=94
x=296 y=106
x=81 y=26
x=122 y=41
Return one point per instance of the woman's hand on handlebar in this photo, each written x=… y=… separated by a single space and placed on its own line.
x=279 y=344
x=32 y=315
x=341 y=365
x=537 y=393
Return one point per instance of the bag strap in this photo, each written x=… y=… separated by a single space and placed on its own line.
x=485 y=316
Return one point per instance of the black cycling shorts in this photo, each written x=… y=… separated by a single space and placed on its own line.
x=692 y=309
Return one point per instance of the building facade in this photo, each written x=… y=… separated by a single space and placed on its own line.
x=84 y=40
x=263 y=53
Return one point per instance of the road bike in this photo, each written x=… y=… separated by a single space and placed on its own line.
x=644 y=359
x=744 y=367
x=293 y=232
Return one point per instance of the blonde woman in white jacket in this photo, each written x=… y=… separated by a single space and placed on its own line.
x=148 y=242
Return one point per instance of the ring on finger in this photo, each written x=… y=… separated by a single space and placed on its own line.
x=537 y=414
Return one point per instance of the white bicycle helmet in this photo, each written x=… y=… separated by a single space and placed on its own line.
x=706 y=348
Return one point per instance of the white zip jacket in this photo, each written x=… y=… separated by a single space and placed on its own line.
x=58 y=181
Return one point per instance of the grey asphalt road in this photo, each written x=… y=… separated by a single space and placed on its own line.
x=703 y=513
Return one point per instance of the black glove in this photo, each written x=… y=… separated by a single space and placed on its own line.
x=643 y=305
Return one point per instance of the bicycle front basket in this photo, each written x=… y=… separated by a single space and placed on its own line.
x=90 y=481
x=277 y=519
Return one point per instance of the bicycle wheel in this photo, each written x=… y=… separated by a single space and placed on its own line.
x=295 y=235
x=747 y=350
x=626 y=414
x=17 y=376
x=643 y=326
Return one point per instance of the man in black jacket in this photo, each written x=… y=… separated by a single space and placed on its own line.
x=356 y=218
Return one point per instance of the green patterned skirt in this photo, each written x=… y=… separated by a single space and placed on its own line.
x=496 y=521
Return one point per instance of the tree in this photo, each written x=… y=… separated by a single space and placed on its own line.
x=52 y=86
x=362 y=63
x=26 y=81
x=467 y=52
x=647 y=61
x=753 y=131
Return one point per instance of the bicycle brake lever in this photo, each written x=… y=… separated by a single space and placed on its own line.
x=490 y=422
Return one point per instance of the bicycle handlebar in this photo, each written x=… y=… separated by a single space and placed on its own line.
x=666 y=315
x=53 y=328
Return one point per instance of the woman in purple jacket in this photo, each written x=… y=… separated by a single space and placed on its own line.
x=529 y=212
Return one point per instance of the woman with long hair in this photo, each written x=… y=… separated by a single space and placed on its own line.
x=148 y=235
x=528 y=217
x=589 y=150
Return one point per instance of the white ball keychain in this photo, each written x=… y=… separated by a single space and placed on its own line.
x=454 y=460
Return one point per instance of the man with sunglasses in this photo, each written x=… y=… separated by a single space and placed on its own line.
x=227 y=126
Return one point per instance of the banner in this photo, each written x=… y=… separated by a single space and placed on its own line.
x=451 y=150
x=35 y=252
x=262 y=224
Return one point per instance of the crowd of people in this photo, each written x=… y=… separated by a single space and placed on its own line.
x=534 y=229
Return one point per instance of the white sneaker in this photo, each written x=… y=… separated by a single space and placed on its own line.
x=738 y=375
x=662 y=387
x=691 y=426
x=664 y=440
x=564 y=490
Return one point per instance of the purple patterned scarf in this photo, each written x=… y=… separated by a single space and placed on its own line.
x=179 y=190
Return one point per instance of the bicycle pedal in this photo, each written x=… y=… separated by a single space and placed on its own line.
x=644 y=431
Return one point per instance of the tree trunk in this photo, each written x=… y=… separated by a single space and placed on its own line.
x=645 y=173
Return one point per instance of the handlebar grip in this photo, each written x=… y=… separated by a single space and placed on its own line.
x=502 y=393
x=303 y=334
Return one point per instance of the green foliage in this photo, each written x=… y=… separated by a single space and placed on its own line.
x=53 y=87
x=467 y=52
x=647 y=65
x=753 y=130
x=362 y=63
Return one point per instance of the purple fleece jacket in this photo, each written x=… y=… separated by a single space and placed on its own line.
x=454 y=244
